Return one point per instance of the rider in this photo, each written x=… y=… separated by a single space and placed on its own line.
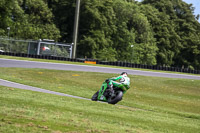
x=124 y=82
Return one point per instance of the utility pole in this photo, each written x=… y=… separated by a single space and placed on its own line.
x=75 y=34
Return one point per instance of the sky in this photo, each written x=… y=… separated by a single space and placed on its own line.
x=195 y=3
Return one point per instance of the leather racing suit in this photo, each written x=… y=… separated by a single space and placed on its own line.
x=124 y=82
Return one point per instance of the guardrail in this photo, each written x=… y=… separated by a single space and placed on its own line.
x=117 y=63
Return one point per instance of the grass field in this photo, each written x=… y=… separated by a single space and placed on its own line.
x=154 y=104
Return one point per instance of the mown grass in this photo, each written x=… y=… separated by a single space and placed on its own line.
x=26 y=111
x=155 y=104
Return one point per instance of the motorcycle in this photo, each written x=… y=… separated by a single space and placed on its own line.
x=105 y=94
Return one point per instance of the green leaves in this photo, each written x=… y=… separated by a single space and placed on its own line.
x=107 y=54
x=153 y=32
x=28 y=19
x=174 y=26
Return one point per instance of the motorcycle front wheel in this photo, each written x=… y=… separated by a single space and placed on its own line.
x=94 y=97
x=116 y=97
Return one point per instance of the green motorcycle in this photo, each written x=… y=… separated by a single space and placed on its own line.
x=105 y=94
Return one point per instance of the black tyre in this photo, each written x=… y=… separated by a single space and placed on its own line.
x=116 y=98
x=94 y=97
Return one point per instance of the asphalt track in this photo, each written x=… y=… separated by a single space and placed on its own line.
x=72 y=67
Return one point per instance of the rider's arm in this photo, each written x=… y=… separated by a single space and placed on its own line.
x=116 y=78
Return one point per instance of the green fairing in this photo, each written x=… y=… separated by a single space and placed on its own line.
x=123 y=85
x=101 y=97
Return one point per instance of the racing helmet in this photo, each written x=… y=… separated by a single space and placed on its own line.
x=124 y=73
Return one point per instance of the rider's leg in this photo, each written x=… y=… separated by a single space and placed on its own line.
x=110 y=84
x=113 y=84
x=120 y=85
x=116 y=84
x=110 y=87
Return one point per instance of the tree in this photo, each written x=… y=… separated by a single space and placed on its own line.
x=176 y=30
x=133 y=29
x=96 y=27
x=188 y=29
x=63 y=11
x=27 y=19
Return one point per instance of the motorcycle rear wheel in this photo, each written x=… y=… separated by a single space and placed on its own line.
x=116 y=98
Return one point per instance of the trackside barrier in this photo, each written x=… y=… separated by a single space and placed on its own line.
x=92 y=61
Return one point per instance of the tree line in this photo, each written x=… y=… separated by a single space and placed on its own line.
x=151 y=32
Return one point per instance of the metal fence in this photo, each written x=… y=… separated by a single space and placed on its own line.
x=40 y=47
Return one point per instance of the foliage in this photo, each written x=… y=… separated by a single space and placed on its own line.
x=107 y=54
x=60 y=51
x=176 y=30
x=153 y=32
x=27 y=19
x=99 y=27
